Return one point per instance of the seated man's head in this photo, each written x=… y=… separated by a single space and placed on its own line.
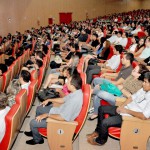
x=146 y=83
x=118 y=49
x=38 y=64
x=3 y=100
x=127 y=59
x=3 y=69
x=24 y=77
x=74 y=83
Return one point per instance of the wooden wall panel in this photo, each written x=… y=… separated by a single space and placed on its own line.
x=25 y=14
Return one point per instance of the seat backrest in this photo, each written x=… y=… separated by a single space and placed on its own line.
x=129 y=42
x=83 y=77
x=141 y=34
x=111 y=53
x=12 y=68
x=12 y=120
x=34 y=75
x=6 y=79
x=31 y=95
x=1 y=83
x=21 y=99
x=134 y=64
x=88 y=39
x=40 y=76
x=85 y=106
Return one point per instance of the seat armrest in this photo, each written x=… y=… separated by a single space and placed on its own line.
x=49 y=120
x=135 y=119
x=120 y=100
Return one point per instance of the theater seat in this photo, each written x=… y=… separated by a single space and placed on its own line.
x=6 y=79
x=141 y=34
x=1 y=83
x=31 y=95
x=12 y=120
x=83 y=77
x=21 y=99
x=65 y=132
x=34 y=75
x=40 y=76
x=128 y=43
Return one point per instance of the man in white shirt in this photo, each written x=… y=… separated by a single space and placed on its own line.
x=114 y=61
x=119 y=38
x=138 y=105
x=124 y=39
x=24 y=79
x=138 y=29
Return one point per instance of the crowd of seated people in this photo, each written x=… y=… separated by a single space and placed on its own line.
x=102 y=45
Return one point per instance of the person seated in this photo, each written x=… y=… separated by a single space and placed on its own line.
x=11 y=91
x=146 y=52
x=113 y=38
x=83 y=36
x=24 y=79
x=124 y=39
x=118 y=39
x=3 y=69
x=130 y=86
x=69 y=109
x=30 y=66
x=138 y=29
x=134 y=44
x=140 y=47
x=111 y=64
x=53 y=78
x=93 y=44
x=138 y=105
x=4 y=109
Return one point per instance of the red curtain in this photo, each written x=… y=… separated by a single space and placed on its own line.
x=65 y=18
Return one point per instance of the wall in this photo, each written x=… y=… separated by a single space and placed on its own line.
x=24 y=14
x=145 y=4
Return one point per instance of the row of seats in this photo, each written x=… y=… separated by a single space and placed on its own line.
x=19 y=111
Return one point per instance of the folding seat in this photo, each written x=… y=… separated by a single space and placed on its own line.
x=31 y=94
x=141 y=34
x=12 y=68
x=111 y=53
x=6 y=79
x=128 y=43
x=1 y=83
x=33 y=45
x=83 y=77
x=88 y=39
x=21 y=99
x=17 y=66
x=12 y=120
x=40 y=76
x=34 y=75
x=14 y=49
x=65 y=132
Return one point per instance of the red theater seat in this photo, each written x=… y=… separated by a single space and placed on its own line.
x=6 y=79
x=12 y=120
x=21 y=99
x=40 y=76
x=31 y=94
